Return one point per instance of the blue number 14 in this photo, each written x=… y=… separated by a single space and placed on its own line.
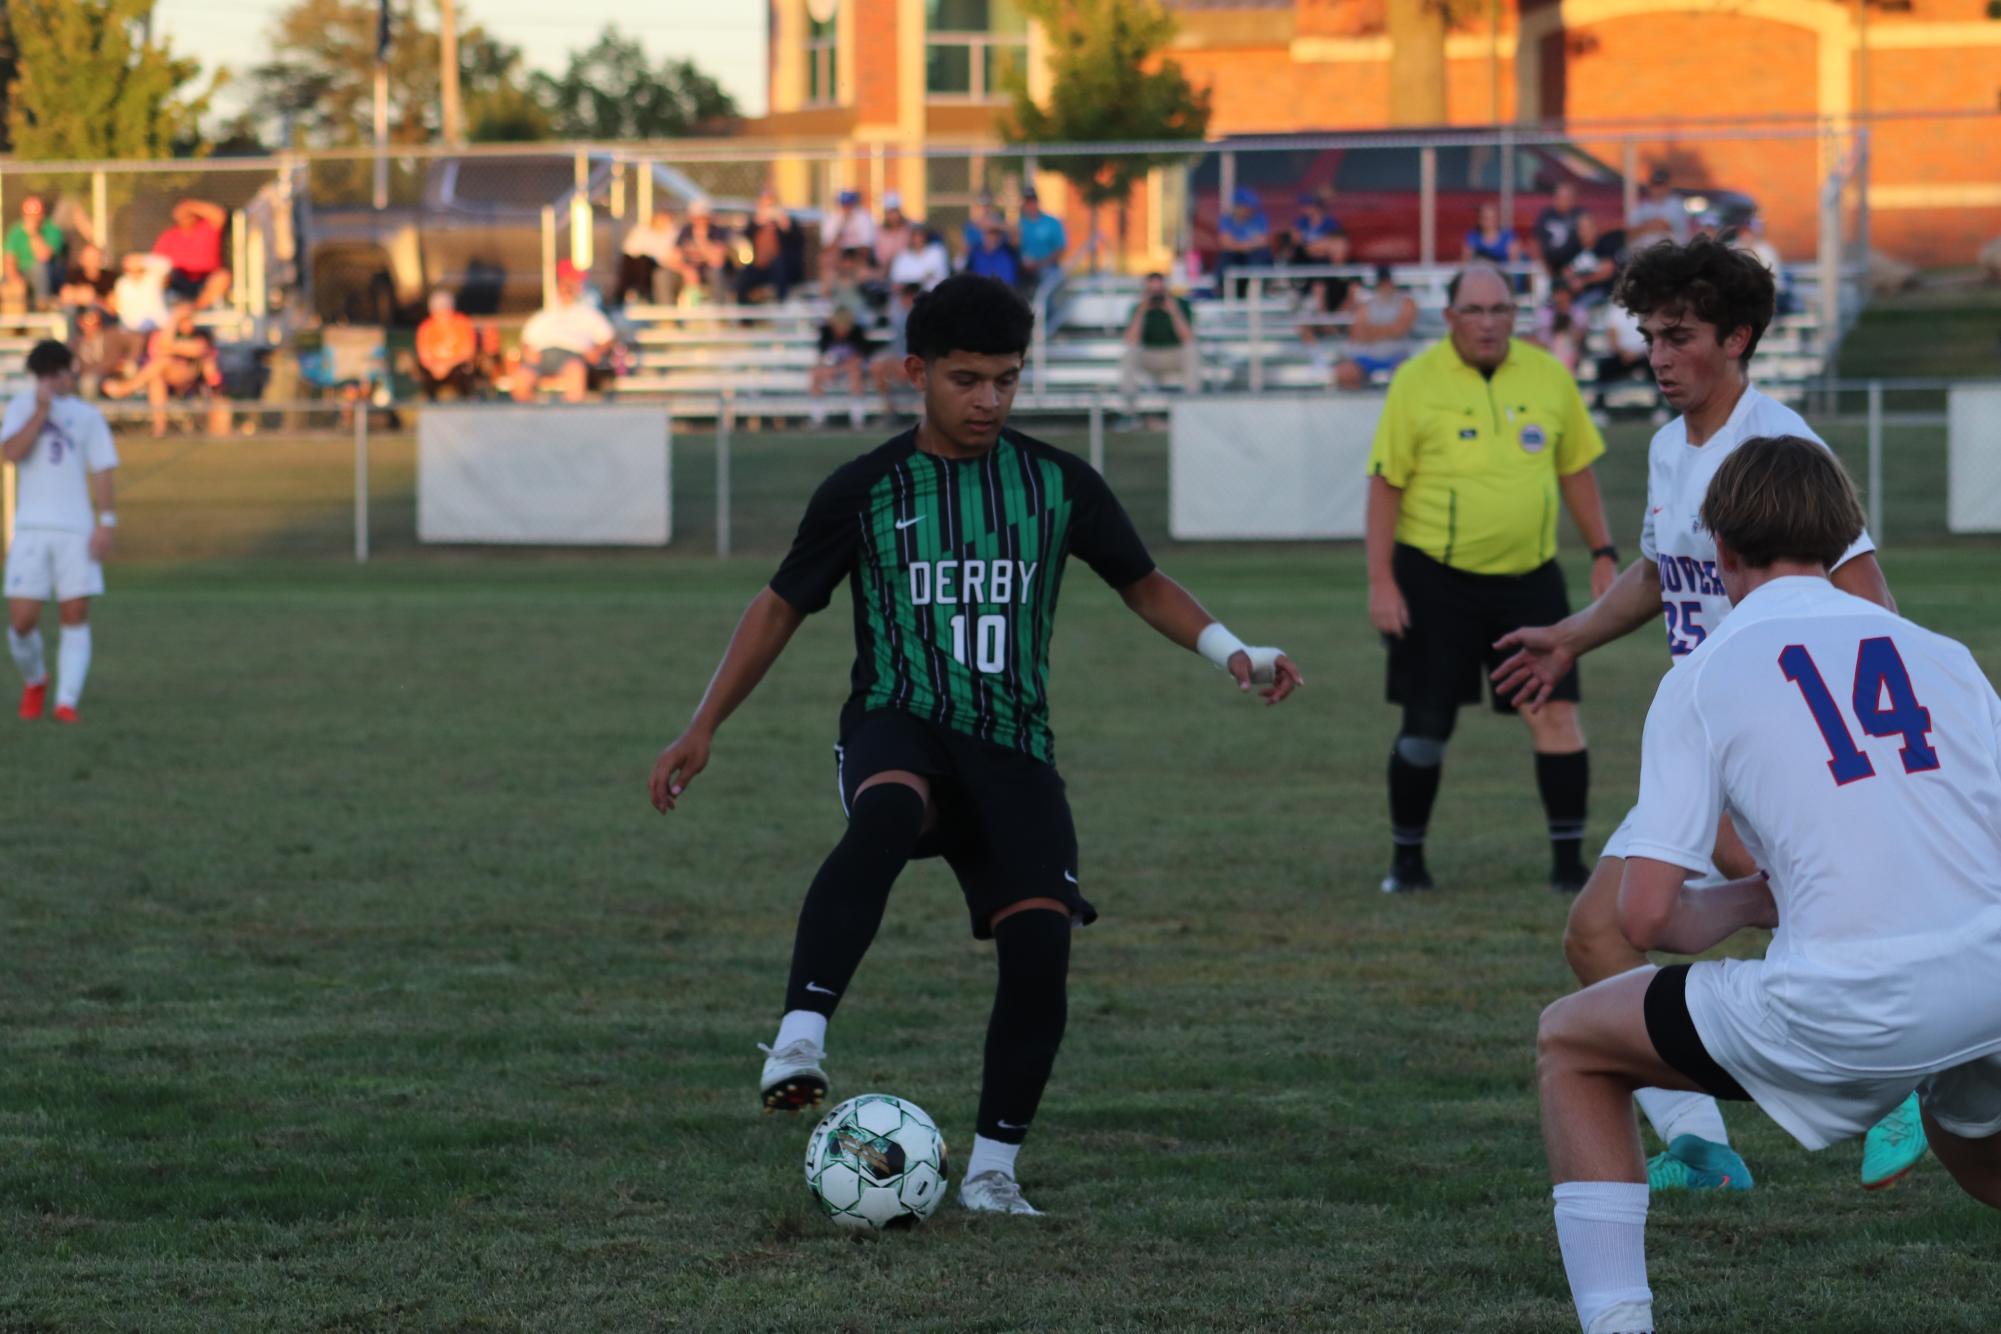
x=1879 y=672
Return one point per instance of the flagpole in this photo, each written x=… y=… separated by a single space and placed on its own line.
x=382 y=105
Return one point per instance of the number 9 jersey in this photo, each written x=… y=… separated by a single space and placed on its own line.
x=1693 y=603
x=955 y=566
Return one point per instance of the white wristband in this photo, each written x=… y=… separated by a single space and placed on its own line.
x=1218 y=645
x=106 y=519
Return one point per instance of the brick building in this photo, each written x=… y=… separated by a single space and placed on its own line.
x=1924 y=75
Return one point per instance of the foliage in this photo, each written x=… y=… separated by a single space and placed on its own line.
x=89 y=81
x=1109 y=84
x=609 y=91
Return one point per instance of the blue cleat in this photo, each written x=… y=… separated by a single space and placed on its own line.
x=1694 y=1163
x=1893 y=1146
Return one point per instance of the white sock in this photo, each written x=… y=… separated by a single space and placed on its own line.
x=27 y=652
x=1601 y=1227
x=808 y=1024
x=72 y=664
x=990 y=1155
x=1673 y=1113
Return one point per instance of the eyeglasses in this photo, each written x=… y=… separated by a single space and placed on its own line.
x=1501 y=312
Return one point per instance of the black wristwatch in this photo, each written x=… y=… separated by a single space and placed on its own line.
x=1608 y=551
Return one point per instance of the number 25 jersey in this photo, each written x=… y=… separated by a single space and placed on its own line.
x=954 y=566
x=1860 y=757
x=1672 y=535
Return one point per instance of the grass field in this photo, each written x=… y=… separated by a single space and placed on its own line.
x=351 y=984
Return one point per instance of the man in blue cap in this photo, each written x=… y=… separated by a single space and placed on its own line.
x=1041 y=244
x=848 y=227
x=1243 y=235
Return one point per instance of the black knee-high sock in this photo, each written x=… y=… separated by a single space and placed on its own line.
x=1413 y=789
x=1565 y=781
x=845 y=904
x=1031 y=1005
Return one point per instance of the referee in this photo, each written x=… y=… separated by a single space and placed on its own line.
x=1479 y=436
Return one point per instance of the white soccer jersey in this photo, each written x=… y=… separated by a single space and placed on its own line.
x=1693 y=602
x=1860 y=758
x=54 y=479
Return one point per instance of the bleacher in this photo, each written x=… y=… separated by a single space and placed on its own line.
x=691 y=357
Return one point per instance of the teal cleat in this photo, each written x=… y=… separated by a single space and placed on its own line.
x=1695 y=1163
x=1893 y=1146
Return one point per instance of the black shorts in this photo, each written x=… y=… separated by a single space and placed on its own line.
x=1455 y=617
x=1003 y=819
x=1673 y=1034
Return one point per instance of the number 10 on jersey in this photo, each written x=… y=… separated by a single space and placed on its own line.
x=990 y=635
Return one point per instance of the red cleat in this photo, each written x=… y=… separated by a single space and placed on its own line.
x=31 y=700
x=66 y=714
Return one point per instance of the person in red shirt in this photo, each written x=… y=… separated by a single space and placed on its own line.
x=193 y=245
x=447 y=349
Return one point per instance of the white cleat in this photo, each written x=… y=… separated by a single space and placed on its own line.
x=793 y=1078
x=995 y=1193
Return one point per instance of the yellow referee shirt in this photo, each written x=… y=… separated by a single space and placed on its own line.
x=1477 y=457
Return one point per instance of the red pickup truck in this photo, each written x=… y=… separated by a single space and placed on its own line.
x=1378 y=192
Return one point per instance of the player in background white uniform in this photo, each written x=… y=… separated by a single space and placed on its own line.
x=1859 y=757
x=1702 y=308
x=64 y=462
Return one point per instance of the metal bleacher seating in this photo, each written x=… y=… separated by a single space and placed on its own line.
x=18 y=333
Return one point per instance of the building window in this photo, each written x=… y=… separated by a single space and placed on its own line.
x=822 y=83
x=972 y=48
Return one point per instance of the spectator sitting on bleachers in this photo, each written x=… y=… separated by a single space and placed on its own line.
x=848 y=227
x=1558 y=330
x=771 y=237
x=564 y=343
x=103 y=350
x=1626 y=354
x=1556 y=230
x=705 y=253
x=140 y=295
x=922 y=262
x=16 y=296
x=1039 y=247
x=180 y=363
x=973 y=232
x=1490 y=240
x=1751 y=238
x=36 y=245
x=844 y=350
x=892 y=234
x=1160 y=343
x=648 y=260
x=1657 y=213
x=447 y=350
x=1595 y=267
x=193 y=246
x=996 y=256
x=87 y=282
x=1317 y=238
x=1379 y=339
x=885 y=364
x=1243 y=236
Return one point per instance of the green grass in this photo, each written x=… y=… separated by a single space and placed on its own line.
x=351 y=983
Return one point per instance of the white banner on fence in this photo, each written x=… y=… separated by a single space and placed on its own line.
x=535 y=475
x=1973 y=454
x=1270 y=466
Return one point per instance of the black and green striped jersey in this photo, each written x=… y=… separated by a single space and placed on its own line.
x=955 y=565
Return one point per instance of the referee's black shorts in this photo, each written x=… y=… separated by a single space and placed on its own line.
x=1455 y=617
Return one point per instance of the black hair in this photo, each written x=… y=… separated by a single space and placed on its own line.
x=50 y=357
x=969 y=312
x=1384 y=274
x=1151 y=276
x=1704 y=279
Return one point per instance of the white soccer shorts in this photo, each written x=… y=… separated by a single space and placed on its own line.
x=44 y=563
x=1812 y=1096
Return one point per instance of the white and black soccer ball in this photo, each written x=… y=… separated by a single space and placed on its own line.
x=877 y=1162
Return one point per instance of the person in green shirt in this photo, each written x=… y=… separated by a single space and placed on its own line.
x=1160 y=343
x=36 y=244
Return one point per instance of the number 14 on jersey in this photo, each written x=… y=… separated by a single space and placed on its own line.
x=1879 y=674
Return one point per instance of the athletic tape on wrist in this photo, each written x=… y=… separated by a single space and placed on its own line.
x=1218 y=645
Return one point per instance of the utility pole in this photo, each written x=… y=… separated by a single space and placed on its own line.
x=382 y=38
x=448 y=69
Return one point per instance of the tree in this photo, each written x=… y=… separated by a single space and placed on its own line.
x=499 y=108
x=1417 y=61
x=610 y=92
x=1109 y=85
x=89 y=81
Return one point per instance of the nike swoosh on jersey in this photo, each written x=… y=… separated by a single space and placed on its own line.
x=902 y=524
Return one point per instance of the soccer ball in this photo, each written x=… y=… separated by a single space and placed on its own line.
x=877 y=1162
